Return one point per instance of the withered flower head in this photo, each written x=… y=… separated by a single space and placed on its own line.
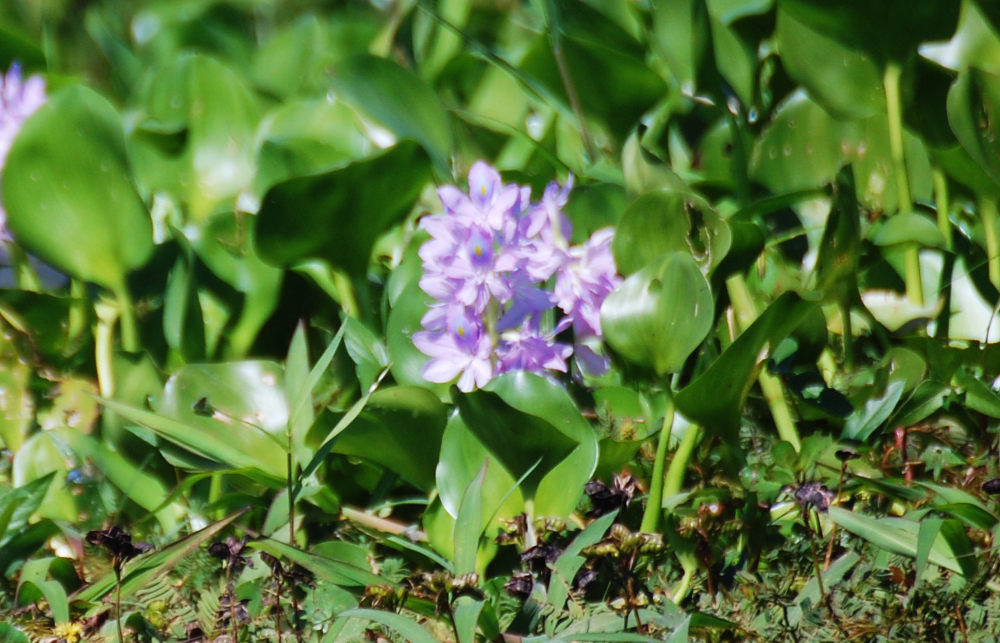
x=519 y=586
x=119 y=544
x=606 y=499
x=231 y=551
x=814 y=494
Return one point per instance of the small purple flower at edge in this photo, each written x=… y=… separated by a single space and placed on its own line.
x=18 y=101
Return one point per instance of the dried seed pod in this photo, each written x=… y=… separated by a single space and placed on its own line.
x=619 y=604
x=465 y=582
x=619 y=533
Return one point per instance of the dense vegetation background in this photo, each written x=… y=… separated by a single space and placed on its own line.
x=220 y=231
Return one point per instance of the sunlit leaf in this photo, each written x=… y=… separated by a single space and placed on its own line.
x=660 y=315
x=68 y=191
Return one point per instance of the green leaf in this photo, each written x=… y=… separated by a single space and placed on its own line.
x=398 y=100
x=469 y=524
x=803 y=147
x=467 y=611
x=302 y=137
x=522 y=418
x=714 y=399
x=15 y=47
x=366 y=350
x=889 y=31
x=68 y=192
x=18 y=505
x=10 y=634
x=141 y=487
x=909 y=228
x=846 y=81
x=405 y=626
x=928 y=533
x=226 y=244
x=681 y=32
x=665 y=221
x=831 y=576
x=35 y=573
x=183 y=325
x=406 y=423
x=973 y=108
x=409 y=304
x=226 y=443
x=210 y=105
x=462 y=454
x=895 y=535
x=864 y=421
x=337 y=215
x=598 y=54
x=338 y=572
x=296 y=387
x=837 y=263
x=570 y=561
x=660 y=314
x=735 y=58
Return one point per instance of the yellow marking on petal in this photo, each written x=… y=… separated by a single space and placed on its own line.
x=482 y=189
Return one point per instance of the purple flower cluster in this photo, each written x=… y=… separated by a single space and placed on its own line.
x=506 y=282
x=19 y=99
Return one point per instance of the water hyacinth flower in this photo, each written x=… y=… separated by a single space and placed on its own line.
x=505 y=282
x=19 y=99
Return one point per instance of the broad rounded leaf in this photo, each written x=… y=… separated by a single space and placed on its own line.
x=307 y=136
x=337 y=215
x=889 y=30
x=462 y=454
x=398 y=100
x=660 y=315
x=845 y=81
x=973 y=110
x=524 y=419
x=400 y=429
x=666 y=221
x=209 y=108
x=909 y=228
x=68 y=192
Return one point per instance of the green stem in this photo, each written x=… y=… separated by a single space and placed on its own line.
x=215 y=493
x=684 y=585
x=942 y=203
x=24 y=274
x=774 y=394
x=988 y=211
x=914 y=281
x=129 y=327
x=654 y=505
x=107 y=315
x=290 y=464
x=118 y=606
x=784 y=421
x=76 y=322
x=894 y=107
x=347 y=296
x=845 y=314
x=678 y=465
